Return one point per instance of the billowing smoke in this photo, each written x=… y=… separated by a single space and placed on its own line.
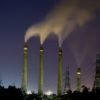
x=65 y=17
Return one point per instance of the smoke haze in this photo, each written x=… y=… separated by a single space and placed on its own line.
x=64 y=18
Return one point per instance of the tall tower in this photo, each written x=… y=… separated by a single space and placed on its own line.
x=59 y=84
x=67 y=81
x=78 y=73
x=40 y=81
x=24 y=69
x=97 y=75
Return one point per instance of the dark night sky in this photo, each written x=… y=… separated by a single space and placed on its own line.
x=82 y=44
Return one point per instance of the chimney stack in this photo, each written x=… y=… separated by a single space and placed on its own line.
x=97 y=74
x=78 y=73
x=59 y=84
x=24 y=69
x=40 y=81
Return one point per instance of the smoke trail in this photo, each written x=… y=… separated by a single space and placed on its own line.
x=82 y=49
x=40 y=29
x=64 y=18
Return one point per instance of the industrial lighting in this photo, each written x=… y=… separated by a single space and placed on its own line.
x=29 y=92
x=25 y=48
x=78 y=73
x=49 y=92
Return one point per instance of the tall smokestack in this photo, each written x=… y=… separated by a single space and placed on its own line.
x=40 y=81
x=97 y=74
x=59 y=85
x=78 y=79
x=24 y=70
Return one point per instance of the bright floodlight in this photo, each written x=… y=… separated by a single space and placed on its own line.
x=49 y=92
x=29 y=92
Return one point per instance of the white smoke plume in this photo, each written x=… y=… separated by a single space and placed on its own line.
x=64 y=18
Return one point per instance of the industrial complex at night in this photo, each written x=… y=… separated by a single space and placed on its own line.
x=49 y=49
x=60 y=75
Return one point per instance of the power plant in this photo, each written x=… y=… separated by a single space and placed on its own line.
x=59 y=81
x=78 y=73
x=40 y=81
x=24 y=69
x=97 y=74
x=59 y=84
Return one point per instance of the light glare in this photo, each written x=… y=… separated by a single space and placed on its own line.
x=49 y=92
